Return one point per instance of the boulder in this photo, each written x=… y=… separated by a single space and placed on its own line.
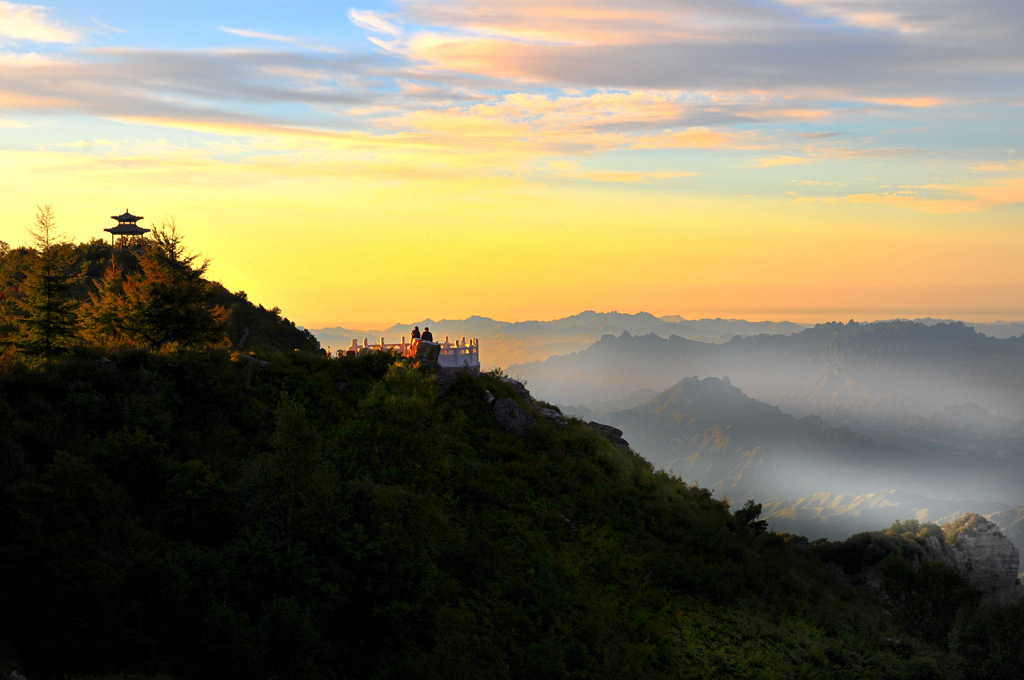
x=987 y=559
x=512 y=417
x=612 y=434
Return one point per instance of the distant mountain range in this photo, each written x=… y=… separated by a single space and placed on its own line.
x=504 y=343
x=897 y=376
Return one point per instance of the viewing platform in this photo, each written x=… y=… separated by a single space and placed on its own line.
x=460 y=354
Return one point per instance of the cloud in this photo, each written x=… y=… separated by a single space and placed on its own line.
x=573 y=170
x=501 y=86
x=375 y=22
x=781 y=160
x=900 y=50
x=241 y=32
x=32 y=23
x=936 y=199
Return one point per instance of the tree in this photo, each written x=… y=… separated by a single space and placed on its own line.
x=749 y=515
x=167 y=303
x=103 y=315
x=46 y=311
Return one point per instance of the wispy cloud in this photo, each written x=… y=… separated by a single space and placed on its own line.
x=778 y=161
x=375 y=22
x=573 y=170
x=241 y=32
x=486 y=84
x=32 y=23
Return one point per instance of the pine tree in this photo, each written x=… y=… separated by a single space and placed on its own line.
x=46 y=311
x=166 y=304
x=103 y=316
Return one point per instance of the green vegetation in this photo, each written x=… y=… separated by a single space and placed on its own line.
x=191 y=515
x=44 y=314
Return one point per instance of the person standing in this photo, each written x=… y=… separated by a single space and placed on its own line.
x=427 y=335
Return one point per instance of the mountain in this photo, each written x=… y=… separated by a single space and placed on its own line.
x=504 y=343
x=997 y=329
x=708 y=431
x=870 y=377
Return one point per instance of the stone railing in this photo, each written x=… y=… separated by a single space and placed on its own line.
x=458 y=354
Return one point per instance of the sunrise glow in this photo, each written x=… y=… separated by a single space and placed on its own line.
x=392 y=161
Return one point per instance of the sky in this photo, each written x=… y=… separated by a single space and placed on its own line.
x=804 y=160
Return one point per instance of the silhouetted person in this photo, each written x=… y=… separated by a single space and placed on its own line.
x=415 y=332
x=427 y=335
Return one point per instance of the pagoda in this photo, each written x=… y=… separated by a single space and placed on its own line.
x=127 y=231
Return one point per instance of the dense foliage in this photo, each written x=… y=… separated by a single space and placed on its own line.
x=57 y=295
x=192 y=515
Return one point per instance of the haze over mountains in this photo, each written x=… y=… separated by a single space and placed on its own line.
x=884 y=375
x=708 y=430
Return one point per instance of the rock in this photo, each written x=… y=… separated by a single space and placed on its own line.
x=554 y=415
x=987 y=559
x=512 y=417
x=519 y=387
x=612 y=434
x=428 y=353
x=489 y=397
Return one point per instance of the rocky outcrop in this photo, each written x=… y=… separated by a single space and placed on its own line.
x=973 y=545
x=517 y=419
x=512 y=417
x=987 y=559
x=612 y=434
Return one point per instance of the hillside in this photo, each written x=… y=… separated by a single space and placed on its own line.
x=194 y=515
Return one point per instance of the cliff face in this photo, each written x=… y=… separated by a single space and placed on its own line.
x=985 y=557
x=972 y=545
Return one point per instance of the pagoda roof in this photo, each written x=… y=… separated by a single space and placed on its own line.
x=127 y=230
x=126 y=217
